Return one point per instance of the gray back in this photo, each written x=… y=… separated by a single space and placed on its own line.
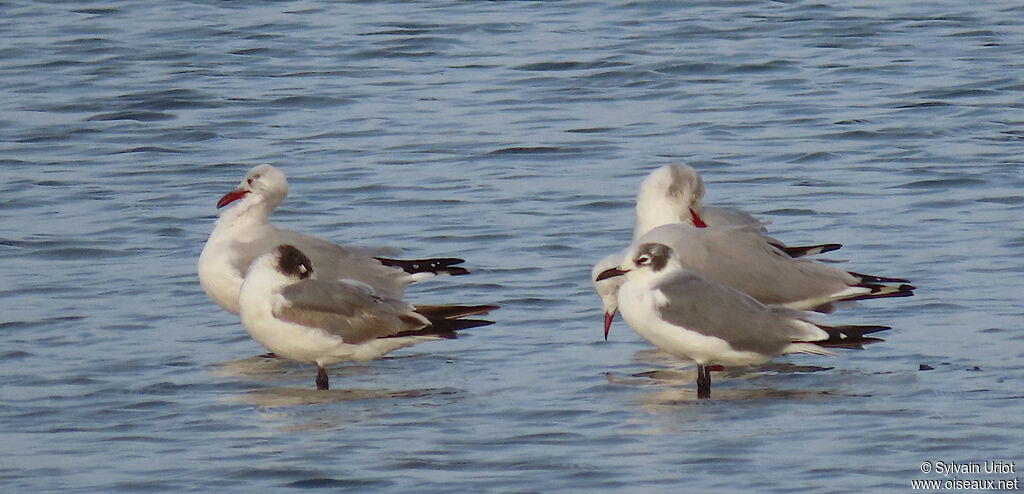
x=345 y=310
x=715 y=310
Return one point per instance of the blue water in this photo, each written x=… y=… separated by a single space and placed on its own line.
x=514 y=135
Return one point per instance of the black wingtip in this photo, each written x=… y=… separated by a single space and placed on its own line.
x=885 y=291
x=432 y=312
x=810 y=250
x=460 y=324
x=445 y=320
x=851 y=345
x=444 y=328
x=870 y=278
x=441 y=265
x=850 y=336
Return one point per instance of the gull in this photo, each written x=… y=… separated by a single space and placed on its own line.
x=291 y=312
x=243 y=233
x=733 y=249
x=674 y=193
x=690 y=317
x=744 y=260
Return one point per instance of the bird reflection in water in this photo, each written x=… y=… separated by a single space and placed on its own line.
x=673 y=381
x=262 y=368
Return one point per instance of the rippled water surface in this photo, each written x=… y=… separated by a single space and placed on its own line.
x=514 y=135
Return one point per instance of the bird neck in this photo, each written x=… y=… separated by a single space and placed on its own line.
x=252 y=210
x=263 y=276
x=654 y=212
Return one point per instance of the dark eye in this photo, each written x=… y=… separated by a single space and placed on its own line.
x=248 y=181
x=643 y=260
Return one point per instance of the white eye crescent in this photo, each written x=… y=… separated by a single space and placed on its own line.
x=642 y=260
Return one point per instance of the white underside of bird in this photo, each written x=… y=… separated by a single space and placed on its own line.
x=640 y=302
x=261 y=300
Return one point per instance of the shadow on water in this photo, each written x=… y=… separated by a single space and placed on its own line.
x=678 y=396
x=263 y=368
x=677 y=384
x=289 y=397
x=268 y=369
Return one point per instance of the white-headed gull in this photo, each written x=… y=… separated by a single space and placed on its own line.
x=288 y=310
x=674 y=193
x=691 y=317
x=243 y=233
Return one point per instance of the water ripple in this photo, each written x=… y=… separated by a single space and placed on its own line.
x=513 y=135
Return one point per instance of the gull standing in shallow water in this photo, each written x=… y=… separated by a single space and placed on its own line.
x=734 y=250
x=285 y=308
x=690 y=317
x=243 y=233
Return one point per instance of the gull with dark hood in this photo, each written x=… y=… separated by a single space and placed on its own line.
x=291 y=312
x=691 y=317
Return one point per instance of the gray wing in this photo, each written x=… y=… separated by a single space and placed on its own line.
x=745 y=260
x=351 y=312
x=729 y=217
x=375 y=250
x=723 y=216
x=715 y=310
x=332 y=261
